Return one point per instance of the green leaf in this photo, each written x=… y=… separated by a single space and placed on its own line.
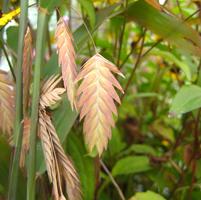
x=168 y=27
x=12 y=32
x=89 y=8
x=171 y=58
x=139 y=149
x=84 y=165
x=187 y=99
x=52 y=66
x=149 y=195
x=63 y=119
x=131 y=165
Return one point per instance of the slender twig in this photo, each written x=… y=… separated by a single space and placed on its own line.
x=5 y=5
x=40 y=51
x=135 y=66
x=70 y=14
x=130 y=53
x=179 y=7
x=19 y=103
x=113 y=180
x=8 y=60
x=191 y=160
x=122 y=34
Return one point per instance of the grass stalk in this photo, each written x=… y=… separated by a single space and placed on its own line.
x=13 y=179
x=40 y=50
x=5 y=5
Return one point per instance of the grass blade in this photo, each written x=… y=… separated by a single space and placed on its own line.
x=19 y=109
x=41 y=34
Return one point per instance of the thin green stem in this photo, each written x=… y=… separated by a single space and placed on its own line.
x=135 y=66
x=7 y=58
x=19 y=101
x=40 y=51
x=122 y=34
x=5 y=5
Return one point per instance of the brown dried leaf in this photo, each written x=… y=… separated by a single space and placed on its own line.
x=25 y=140
x=49 y=93
x=27 y=68
x=59 y=166
x=96 y=96
x=66 y=54
x=7 y=104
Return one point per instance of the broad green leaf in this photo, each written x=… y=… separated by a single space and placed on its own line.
x=168 y=27
x=149 y=195
x=89 y=8
x=63 y=119
x=84 y=165
x=140 y=149
x=188 y=98
x=131 y=165
x=171 y=58
x=52 y=66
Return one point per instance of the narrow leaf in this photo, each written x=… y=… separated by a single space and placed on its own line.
x=165 y=25
x=89 y=8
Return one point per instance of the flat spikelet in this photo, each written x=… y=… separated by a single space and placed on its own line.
x=60 y=169
x=96 y=96
x=50 y=94
x=66 y=54
x=7 y=105
x=27 y=68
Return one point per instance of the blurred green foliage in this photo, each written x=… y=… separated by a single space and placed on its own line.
x=154 y=153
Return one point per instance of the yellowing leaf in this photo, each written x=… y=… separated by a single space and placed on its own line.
x=96 y=96
x=9 y=16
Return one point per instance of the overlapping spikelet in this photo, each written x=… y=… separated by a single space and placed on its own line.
x=66 y=54
x=50 y=94
x=59 y=166
x=7 y=102
x=96 y=96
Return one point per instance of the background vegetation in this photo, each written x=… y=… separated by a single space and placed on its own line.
x=154 y=152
